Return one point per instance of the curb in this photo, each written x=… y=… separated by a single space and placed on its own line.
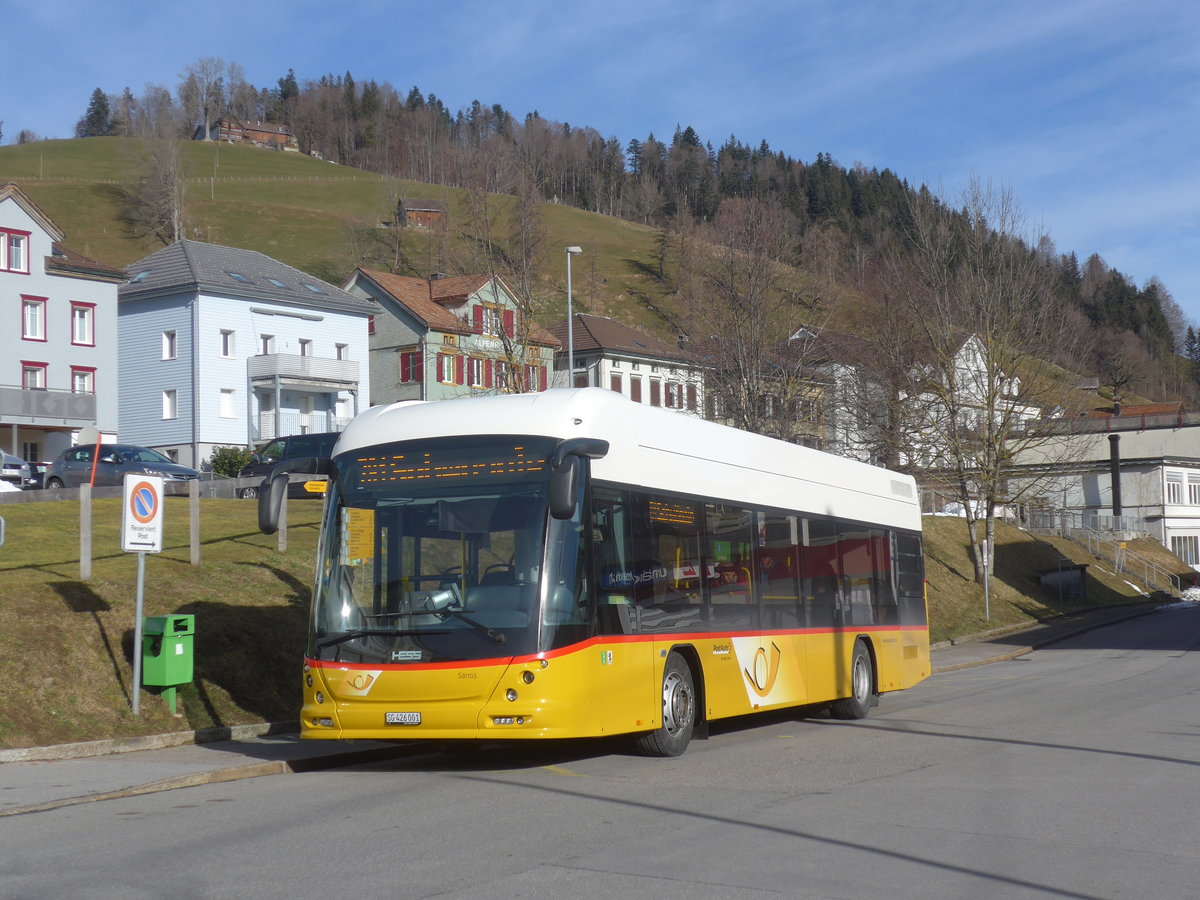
x=220 y=776
x=89 y=749
x=1067 y=631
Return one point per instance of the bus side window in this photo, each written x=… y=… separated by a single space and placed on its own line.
x=666 y=539
x=822 y=578
x=611 y=547
x=779 y=568
x=732 y=577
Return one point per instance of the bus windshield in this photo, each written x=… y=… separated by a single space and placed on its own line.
x=442 y=550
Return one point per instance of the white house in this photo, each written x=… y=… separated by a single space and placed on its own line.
x=58 y=367
x=961 y=399
x=228 y=347
x=636 y=365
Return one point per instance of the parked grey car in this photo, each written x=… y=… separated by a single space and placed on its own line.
x=15 y=470
x=74 y=466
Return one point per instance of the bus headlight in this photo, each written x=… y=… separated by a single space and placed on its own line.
x=527 y=677
x=511 y=695
x=320 y=697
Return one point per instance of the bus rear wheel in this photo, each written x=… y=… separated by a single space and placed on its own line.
x=678 y=711
x=862 y=686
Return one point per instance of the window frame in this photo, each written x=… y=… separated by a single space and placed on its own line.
x=227 y=343
x=31 y=302
x=7 y=236
x=89 y=309
x=170 y=344
x=90 y=373
x=170 y=404
x=27 y=366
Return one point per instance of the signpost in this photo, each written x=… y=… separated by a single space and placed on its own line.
x=141 y=533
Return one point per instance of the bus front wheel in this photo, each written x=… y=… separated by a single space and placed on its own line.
x=678 y=711
x=862 y=686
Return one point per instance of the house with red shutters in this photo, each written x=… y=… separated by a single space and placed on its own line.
x=450 y=336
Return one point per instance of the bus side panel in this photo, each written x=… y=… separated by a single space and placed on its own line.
x=746 y=673
x=889 y=660
x=915 y=650
x=605 y=688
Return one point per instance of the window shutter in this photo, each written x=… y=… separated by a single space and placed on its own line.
x=458 y=370
x=487 y=373
x=541 y=378
x=477 y=317
x=418 y=370
x=691 y=397
x=509 y=322
x=405 y=367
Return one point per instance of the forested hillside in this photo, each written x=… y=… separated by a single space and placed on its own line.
x=841 y=224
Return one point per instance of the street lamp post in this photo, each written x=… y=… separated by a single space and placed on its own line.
x=571 y=251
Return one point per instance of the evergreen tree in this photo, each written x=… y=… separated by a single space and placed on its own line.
x=97 y=121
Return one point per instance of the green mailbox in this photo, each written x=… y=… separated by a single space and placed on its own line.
x=167 y=650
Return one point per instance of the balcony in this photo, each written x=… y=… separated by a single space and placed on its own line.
x=271 y=426
x=313 y=372
x=37 y=406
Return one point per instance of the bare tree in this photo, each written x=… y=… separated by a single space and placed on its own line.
x=202 y=92
x=743 y=307
x=154 y=207
x=991 y=328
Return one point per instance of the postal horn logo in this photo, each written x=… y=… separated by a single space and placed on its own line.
x=763 y=670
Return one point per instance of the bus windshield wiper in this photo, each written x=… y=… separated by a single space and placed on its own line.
x=369 y=632
x=498 y=636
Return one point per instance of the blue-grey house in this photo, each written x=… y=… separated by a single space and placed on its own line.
x=227 y=347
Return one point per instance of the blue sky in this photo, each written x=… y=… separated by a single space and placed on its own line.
x=1088 y=111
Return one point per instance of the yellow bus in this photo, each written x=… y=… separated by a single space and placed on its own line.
x=570 y=564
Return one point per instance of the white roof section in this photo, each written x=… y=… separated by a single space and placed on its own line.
x=657 y=448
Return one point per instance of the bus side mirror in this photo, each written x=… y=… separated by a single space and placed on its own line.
x=274 y=487
x=564 y=472
x=564 y=486
x=270 y=501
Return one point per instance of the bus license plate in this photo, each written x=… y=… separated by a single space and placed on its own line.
x=402 y=718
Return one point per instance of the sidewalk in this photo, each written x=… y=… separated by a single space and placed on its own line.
x=43 y=778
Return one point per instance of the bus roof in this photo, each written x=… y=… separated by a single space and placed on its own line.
x=662 y=449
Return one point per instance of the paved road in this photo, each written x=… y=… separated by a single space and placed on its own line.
x=1066 y=772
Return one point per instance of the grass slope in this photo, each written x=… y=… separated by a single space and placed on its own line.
x=66 y=645
x=302 y=211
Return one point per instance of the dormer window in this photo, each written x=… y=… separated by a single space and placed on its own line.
x=14 y=251
x=492 y=320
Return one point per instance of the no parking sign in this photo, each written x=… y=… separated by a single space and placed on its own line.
x=141 y=520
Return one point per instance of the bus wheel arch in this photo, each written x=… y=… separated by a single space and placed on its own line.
x=864 y=689
x=680 y=707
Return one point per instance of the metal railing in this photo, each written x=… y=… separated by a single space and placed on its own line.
x=1127 y=561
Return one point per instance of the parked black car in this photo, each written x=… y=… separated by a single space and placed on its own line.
x=74 y=466
x=294 y=446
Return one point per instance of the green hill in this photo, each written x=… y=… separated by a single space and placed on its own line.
x=310 y=214
x=66 y=644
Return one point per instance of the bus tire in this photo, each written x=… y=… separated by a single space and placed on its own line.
x=862 y=686
x=678 y=711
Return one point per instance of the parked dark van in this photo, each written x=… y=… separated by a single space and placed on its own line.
x=295 y=446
